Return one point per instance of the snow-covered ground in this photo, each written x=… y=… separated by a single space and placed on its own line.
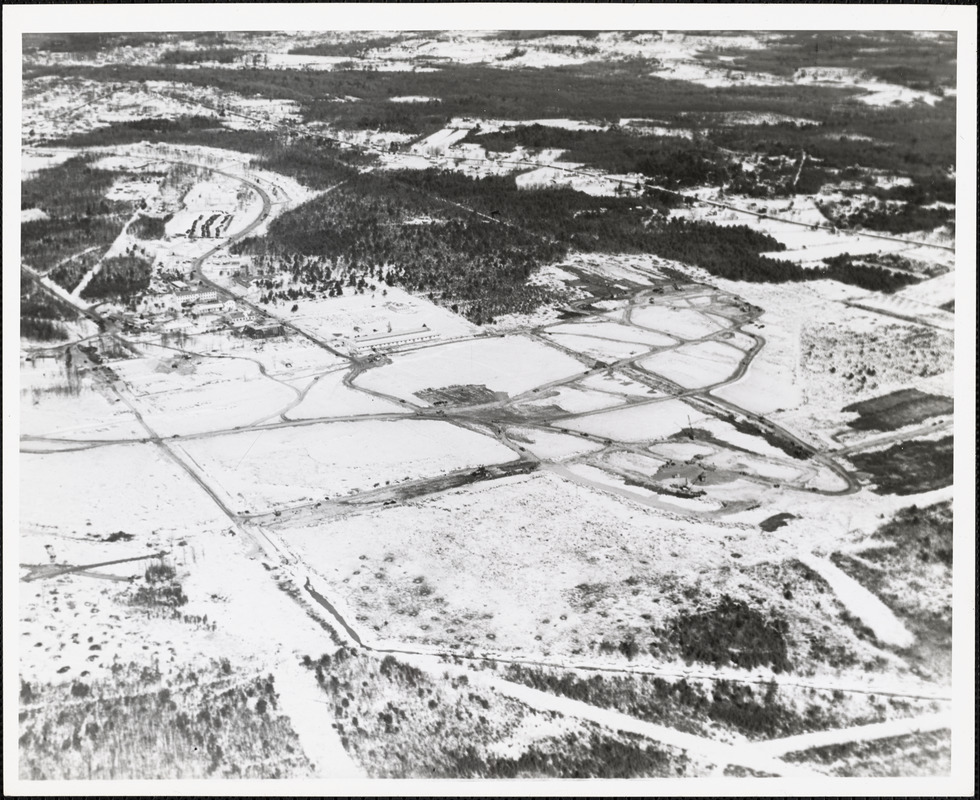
x=572 y=400
x=210 y=394
x=695 y=365
x=329 y=397
x=266 y=469
x=615 y=332
x=443 y=573
x=513 y=364
x=84 y=491
x=551 y=446
x=657 y=420
x=683 y=323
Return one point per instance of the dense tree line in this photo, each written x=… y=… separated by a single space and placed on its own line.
x=892 y=56
x=78 y=215
x=312 y=160
x=144 y=227
x=674 y=162
x=594 y=90
x=479 y=263
x=731 y=633
x=364 y=228
x=350 y=48
x=888 y=218
x=221 y=55
x=41 y=316
x=120 y=277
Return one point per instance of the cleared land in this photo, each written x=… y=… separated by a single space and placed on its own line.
x=267 y=469
x=693 y=366
x=512 y=364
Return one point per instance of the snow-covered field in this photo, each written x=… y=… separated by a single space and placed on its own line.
x=178 y=397
x=696 y=365
x=934 y=292
x=266 y=469
x=766 y=387
x=512 y=364
x=614 y=331
x=551 y=446
x=47 y=409
x=335 y=319
x=128 y=487
x=905 y=307
x=617 y=384
x=329 y=397
x=603 y=349
x=649 y=421
x=442 y=573
x=573 y=400
x=684 y=323
x=290 y=358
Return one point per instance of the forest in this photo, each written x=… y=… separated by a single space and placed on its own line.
x=312 y=160
x=120 y=278
x=346 y=49
x=594 y=90
x=476 y=259
x=77 y=215
x=893 y=56
x=220 y=55
x=41 y=316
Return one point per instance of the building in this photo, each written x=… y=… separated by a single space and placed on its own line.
x=197 y=296
x=235 y=318
x=389 y=340
x=216 y=307
x=265 y=330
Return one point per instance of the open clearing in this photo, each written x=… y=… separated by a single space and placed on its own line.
x=650 y=421
x=264 y=470
x=694 y=366
x=212 y=397
x=73 y=492
x=614 y=331
x=572 y=401
x=601 y=349
x=51 y=404
x=512 y=364
x=437 y=573
x=684 y=323
x=551 y=446
x=327 y=396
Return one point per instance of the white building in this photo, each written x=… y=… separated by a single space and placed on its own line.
x=389 y=340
